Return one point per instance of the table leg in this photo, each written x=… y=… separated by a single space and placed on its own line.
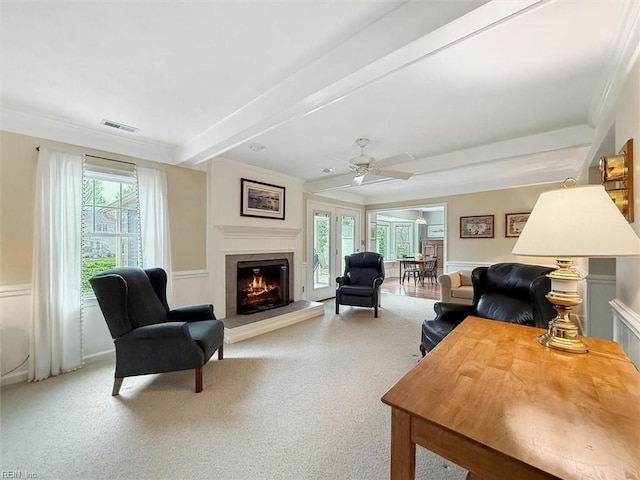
x=400 y=279
x=403 y=450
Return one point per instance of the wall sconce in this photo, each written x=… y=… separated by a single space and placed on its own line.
x=617 y=179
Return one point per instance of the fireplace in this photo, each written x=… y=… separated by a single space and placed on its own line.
x=262 y=285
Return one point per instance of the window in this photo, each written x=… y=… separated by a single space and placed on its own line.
x=382 y=240
x=403 y=239
x=110 y=223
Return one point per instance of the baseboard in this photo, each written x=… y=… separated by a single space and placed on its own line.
x=243 y=332
x=96 y=357
x=16 y=377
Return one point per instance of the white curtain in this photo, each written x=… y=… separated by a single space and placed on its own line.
x=56 y=339
x=154 y=221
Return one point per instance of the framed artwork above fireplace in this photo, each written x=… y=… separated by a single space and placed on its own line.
x=258 y=199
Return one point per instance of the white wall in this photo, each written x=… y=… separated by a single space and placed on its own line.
x=230 y=233
x=627 y=304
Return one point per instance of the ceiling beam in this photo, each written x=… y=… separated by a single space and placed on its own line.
x=360 y=61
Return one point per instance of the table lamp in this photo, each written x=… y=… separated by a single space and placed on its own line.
x=574 y=221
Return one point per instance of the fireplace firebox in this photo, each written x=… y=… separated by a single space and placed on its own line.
x=262 y=285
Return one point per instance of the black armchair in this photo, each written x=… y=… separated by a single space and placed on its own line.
x=509 y=292
x=148 y=336
x=360 y=284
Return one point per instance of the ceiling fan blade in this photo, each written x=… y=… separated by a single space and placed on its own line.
x=329 y=183
x=357 y=180
x=396 y=159
x=395 y=174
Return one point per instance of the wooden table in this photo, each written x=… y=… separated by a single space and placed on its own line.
x=494 y=401
x=420 y=264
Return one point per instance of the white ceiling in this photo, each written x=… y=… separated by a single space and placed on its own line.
x=482 y=94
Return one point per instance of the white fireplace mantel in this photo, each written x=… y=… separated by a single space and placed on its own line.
x=240 y=231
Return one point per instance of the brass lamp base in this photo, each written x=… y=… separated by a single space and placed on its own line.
x=563 y=332
x=558 y=342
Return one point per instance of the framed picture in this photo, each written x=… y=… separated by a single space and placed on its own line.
x=514 y=223
x=262 y=200
x=435 y=231
x=479 y=226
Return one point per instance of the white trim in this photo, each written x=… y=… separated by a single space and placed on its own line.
x=26 y=289
x=15 y=377
x=188 y=274
x=354 y=65
x=618 y=62
x=15 y=290
x=96 y=357
x=237 y=334
x=60 y=131
x=240 y=231
x=455 y=266
x=600 y=279
x=627 y=316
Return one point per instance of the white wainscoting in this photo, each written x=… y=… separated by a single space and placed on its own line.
x=15 y=325
x=189 y=288
x=626 y=330
x=599 y=291
x=456 y=266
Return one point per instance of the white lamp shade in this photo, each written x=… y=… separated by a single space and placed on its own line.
x=577 y=222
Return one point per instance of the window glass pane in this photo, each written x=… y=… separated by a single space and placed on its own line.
x=110 y=227
x=97 y=257
x=87 y=219
x=348 y=240
x=107 y=193
x=321 y=235
x=106 y=220
x=382 y=237
x=402 y=238
x=129 y=221
x=129 y=198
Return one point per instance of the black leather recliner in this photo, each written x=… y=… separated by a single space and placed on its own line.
x=510 y=292
x=148 y=336
x=360 y=284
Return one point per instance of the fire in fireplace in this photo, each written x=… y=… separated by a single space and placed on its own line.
x=262 y=285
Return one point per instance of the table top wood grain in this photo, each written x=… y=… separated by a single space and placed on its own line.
x=567 y=415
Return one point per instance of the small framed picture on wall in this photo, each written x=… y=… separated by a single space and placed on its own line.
x=478 y=226
x=260 y=199
x=514 y=223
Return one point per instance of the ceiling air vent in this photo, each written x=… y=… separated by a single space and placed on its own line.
x=119 y=126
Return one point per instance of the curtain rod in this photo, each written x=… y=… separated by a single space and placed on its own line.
x=103 y=158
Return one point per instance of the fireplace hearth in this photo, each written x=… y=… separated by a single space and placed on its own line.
x=262 y=285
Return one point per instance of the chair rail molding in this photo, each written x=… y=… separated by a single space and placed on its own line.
x=186 y=274
x=626 y=330
x=242 y=231
x=15 y=290
x=455 y=266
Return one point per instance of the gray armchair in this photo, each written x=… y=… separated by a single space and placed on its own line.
x=360 y=284
x=148 y=336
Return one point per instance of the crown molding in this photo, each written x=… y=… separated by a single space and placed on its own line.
x=65 y=132
x=620 y=59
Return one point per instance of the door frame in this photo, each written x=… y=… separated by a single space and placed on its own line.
x=335 y=245
x=371 y=238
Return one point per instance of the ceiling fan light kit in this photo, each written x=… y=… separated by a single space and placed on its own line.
x=364 y=169
x=364 y=165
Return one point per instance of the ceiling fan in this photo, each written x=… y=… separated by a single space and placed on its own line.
x=364 y=165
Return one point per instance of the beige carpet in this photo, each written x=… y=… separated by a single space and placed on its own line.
x=302 y=402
